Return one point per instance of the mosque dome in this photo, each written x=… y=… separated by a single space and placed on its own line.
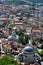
x=28 y=49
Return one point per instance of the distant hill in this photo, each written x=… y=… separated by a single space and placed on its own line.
x=24 y=1
x=21 y=2
x=34 y=1
x=18 y=2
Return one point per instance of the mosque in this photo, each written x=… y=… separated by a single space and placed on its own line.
x=28 y=55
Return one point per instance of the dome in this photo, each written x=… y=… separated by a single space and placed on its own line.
x=38 y=56
x=13 y=38
x=28 y=49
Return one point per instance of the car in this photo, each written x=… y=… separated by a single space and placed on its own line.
x=29 y=56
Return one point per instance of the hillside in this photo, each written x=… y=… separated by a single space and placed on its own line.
x=21 y=2
x=24 y=2
x=18 y=2
x=34 y=1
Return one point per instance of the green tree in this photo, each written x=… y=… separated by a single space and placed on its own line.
x=33 y=42
x=8 y=60
x=41 y=40
x=19 y=32
x=41 y=53
x=26 y=39
x=41 y=25
x=22 y=38
x=41 y=46
x=36 y=51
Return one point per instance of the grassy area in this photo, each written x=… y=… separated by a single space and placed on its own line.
x=8 y=60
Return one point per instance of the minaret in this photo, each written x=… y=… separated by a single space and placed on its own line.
x=1 y=48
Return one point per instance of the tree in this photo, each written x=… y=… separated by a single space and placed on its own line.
x=22 y=38
x=18 y=2
x=33 y=42
x=41 y=40
x=41 y=25
x=8 y=60
x=19 y=32
x=41 y=53
x=41 y=46
x=9 y=1
x=36 y=51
